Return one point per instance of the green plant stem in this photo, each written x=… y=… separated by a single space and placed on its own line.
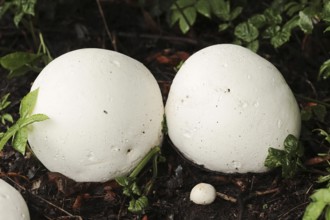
x=313 y=100
x=144 y=161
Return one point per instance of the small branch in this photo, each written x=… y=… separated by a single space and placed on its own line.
x=226 y=197
x=312 y=100
x=112 y=39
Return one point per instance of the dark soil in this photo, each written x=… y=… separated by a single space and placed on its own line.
x=78 y=24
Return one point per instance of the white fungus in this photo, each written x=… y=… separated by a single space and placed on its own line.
x=105 y=113
x=227 y=106
x=203 y=194
x=12 y=204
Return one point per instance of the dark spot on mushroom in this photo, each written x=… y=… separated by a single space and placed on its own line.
x=228 y=90
x=143 y=132
x=105 y=112
x=187 y=96
x=128 y=150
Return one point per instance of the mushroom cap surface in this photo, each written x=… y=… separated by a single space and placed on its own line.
x=203 y=194
x=227 y=106
x=12 y=204
x=105 y=112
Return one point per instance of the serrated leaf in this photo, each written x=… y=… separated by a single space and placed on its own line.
x=305 y=23
x=290 y=144
x=258 y=20
x=123 y=180
x=246 y=32
x=221 y=9
x=20 y=140
x=135 y=189
x=28 y=103
x=324 y=134
x=272 y=16
x=204 y=8
x=254 y=45
x=280 y=38
x=274 y=158
x=271 y=31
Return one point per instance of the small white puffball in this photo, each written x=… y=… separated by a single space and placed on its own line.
x=227 y=106
x=12 y=204
x=203 y=194
x=105 y=111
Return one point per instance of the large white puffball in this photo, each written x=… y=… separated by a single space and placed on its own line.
x=227 y=106
x=12 y=204
x=105 y=113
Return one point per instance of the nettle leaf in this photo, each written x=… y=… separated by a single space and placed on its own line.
x=274 y=158
x=320 y=111
x=254 y=45
x=292 y=8
x=246 y=32
x=258 y=20
x=305 y=23
x=291 y=24
x=28 y=103
x=235 y=12
x=272 y=16
x=323 y=133
x=280 y=38
x=221 y=9
x=204 y=8
x=223 y=27
x=290 y=144
x=271 y=31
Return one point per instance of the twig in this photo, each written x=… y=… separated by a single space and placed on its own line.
x=112 y=39
x=294 y=208
x=226 y=197
x=269 y=191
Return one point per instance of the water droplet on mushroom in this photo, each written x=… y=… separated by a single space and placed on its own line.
x=279 y=123
x=23 y=216
x=256 y=104
x=187 y=134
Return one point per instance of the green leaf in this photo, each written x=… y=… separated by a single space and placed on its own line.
x=223 y=27
x=188 y=19
x=135 y=189
x=123 y=180
x=292 y=8
x=321 y=195
x=258 y=20
x=291 y=24
x=28 y=103
x=305 y=23
x=6 y=117
x=20 y=139
x=327 y=29
x=272 y=16
x=204 y=8
x=246 y=32
x=324 y=71
x=17 y=60
x=280 y=38
x=4 y=103
x=271 y=31
x=254 y=45
x=326 y=12
x=137 y=206
x=274 y=158
x=221 y=9
x=313 y=210
x=9 y=134
x=290 y=144
x=22 y=122
x=327 y=212
x=306 y=114
x=323 y=133
x=235 y=13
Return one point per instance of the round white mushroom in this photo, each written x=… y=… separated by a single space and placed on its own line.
x=105 y=113
x=12 y=204
x=227 y=106
x=203 y=194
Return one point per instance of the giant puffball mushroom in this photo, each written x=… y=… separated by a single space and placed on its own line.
x=227 y=106
x=203 y=194
x=105 y=113
x=12 y=204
